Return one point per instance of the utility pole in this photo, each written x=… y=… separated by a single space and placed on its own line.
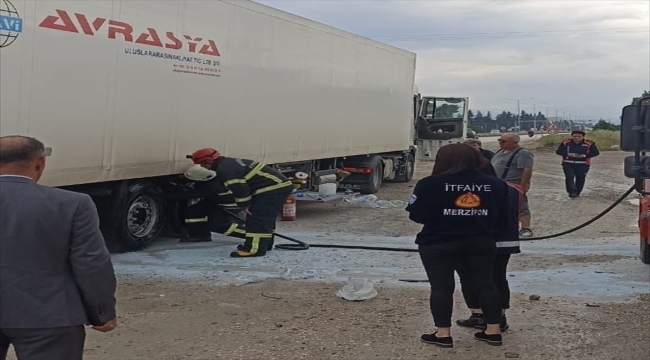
x=546 y=116
x=534 y=117
x=518 y=119
x=535 y=113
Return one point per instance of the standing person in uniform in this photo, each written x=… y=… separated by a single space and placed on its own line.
x=257 y=188
x=476 y=144
x=56 y=274
x=514 y=164
x=463 y=212
x=576 y=153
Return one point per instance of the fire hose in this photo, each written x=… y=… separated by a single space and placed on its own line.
x=301 y=245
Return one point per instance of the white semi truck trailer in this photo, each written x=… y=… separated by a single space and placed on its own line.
x=121 y=91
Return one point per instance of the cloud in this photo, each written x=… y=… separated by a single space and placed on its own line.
x=589 y=57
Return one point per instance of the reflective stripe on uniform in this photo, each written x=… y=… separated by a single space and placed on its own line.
x=255 y=171
x=196 y=220
x=225 y=193
x=234 y=181
x=272 y=187
x=247 y=198
x=574 y=162
x=229 y=205
x=255 y=240
x=271 y=177
x=504 y=244
x=234 y=228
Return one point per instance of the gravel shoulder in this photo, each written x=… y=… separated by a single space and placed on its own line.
x=180 y=301
x=289 y=320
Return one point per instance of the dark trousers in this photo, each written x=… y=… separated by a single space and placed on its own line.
x=206 y=216
x=574 y=177
x=64 y=343
x=440 y=261
x=261 y=222
x=499 y=276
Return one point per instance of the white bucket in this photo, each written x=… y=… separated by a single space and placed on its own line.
x=327 y=189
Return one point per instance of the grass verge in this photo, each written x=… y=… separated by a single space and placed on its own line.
x=606 y=140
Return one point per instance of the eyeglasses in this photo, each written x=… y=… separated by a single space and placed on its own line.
x=502 y=141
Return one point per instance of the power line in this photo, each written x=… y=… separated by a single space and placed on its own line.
x=513 y=34
x=529 y=32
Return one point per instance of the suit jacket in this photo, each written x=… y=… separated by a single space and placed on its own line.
x=55 y=269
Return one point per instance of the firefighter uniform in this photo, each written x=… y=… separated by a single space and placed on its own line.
x=576 y=160
x=255 y=187
x=203 y=215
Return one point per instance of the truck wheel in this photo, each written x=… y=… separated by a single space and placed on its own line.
x=138 y=216
x=375 y=180
x=645 y=251
x=409 y=170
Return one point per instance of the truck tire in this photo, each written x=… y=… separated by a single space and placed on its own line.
x=645 y=251
x=137 y=218
x=375 y=179
x=409 y=164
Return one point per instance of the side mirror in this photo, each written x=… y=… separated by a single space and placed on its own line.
x=635 y=126
x=632 y=170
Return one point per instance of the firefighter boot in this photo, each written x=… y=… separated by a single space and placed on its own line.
x=244 y=253
x=196 y=224
x=271 y=242
x=255 y=245
x=197 y=231
x=241 y=246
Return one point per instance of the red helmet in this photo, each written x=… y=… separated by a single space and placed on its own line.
x=206 y=155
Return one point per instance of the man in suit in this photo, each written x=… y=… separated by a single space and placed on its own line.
x=56 y=274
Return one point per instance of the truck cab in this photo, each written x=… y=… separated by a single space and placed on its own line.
x=438 y=121
x=635 y=137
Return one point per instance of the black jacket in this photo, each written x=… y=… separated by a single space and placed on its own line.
x=508 y=240
x=486 y=153
x=586 y=147
x=247 y=178
x=459 y=205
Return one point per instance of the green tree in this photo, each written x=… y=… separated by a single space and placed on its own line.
x=645 y=93
x=606 y=125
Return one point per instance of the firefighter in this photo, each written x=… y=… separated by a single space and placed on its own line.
x=576 y=159
x=205 y=215
x=256 y=188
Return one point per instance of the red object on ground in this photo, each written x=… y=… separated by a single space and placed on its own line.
x=289 y=209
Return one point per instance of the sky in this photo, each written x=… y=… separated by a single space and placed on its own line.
x=586 y=59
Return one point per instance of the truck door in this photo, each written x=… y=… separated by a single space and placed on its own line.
x=438 y=122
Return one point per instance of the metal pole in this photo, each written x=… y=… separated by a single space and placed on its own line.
x=518 y=117
x=534 y=117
